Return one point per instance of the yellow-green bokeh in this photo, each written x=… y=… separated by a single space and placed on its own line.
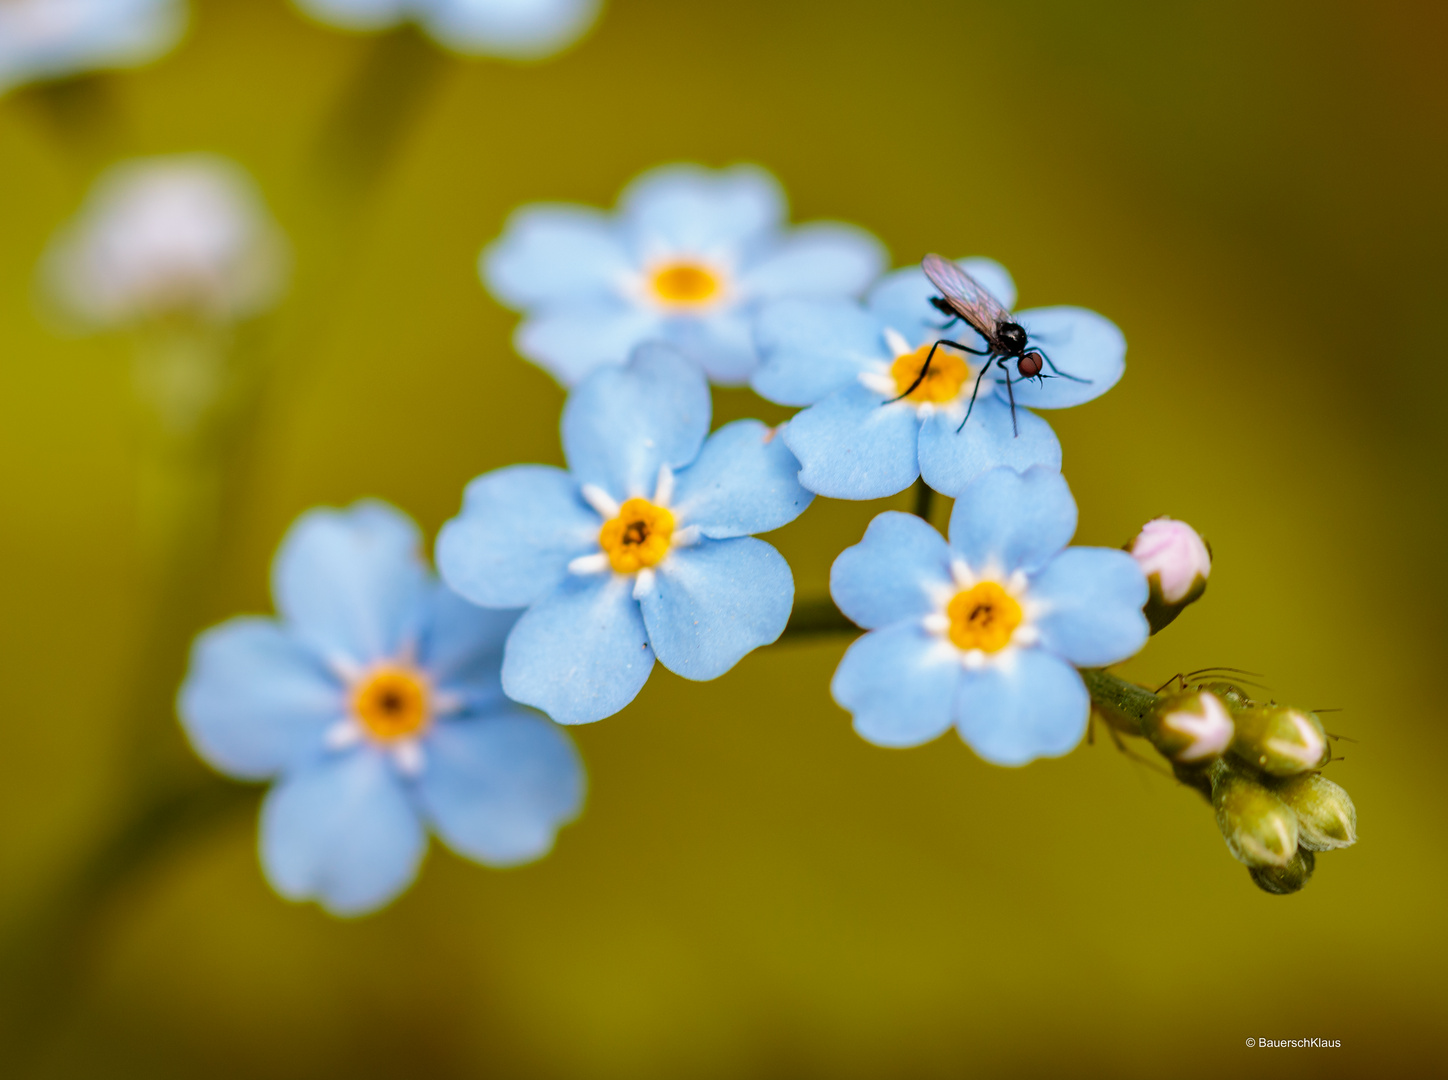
x=1254 y=193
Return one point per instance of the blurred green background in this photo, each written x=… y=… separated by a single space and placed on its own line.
x=1253 y=192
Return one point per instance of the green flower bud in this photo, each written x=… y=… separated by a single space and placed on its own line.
x=1260 y=829
x=1232 y=695
x=1192 y=728
x=1279 y=740
x=1176 y=562
x=1281 y=880
x=1326 y=817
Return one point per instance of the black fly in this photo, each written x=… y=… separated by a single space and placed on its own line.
x=962 y=297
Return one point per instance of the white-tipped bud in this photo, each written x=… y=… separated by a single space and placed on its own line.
x=1326 y=817
x=1177 y=563
x=176 y=237
x=1279 y=740
x=1260 y=829
x=1193 y=728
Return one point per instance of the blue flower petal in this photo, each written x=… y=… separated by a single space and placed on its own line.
x=722 y=344
x=518 y=530
x=1080 y=343
x=256 y=701
x=950 y=459
x=582 y=653
x=744 y=481
x=693 y=210
x=899 y=683
x=1012 y=520
x=1034 y=707
x=621 y=424
x=351 y=581
x=896 y=572
x=902 y=301
x=343 y=832
x=811 y=348
x=1093 y=599
x=555 y=254
x=462 y=650
x=357 y=14
x=571 y=341
x=498 y=787
x=714 y=603
x=854 y=446
x=516 y=29
x=819 y=259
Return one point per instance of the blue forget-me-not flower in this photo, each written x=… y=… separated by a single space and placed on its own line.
x=374 y=701
x=848 y=363
x=983 y=632
x=512 y=29
x=51 y=39
x=687 y=258
x=642 y=548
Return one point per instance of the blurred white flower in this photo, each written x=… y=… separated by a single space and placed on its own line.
x=184 y=236
x=49 y=39
x=515 y=29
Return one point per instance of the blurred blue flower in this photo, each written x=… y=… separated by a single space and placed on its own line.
x=512 y=29
x=848 y=362
x=687 y=258
x=982 y=633
x=641 y=549
x=375 y=702
x=50 y=39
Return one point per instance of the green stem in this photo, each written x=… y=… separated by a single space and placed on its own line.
x=813 y=618
x=396 y=78
x=1123 y=704
x=924 y=499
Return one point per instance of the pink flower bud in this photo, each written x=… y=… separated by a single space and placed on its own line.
x=1173 y=552
x=1176 y=562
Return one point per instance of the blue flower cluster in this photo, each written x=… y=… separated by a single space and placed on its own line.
x=385 y=703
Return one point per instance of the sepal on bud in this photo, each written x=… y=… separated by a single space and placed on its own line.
x=1177 y=563
x=1260 y=829
x=1326 y=817
x=1192 y=728
x=1281 y=880
x=1280 y=740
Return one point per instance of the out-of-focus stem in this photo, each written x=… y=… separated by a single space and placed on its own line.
x=395 y=80
x=924 y=499
x=813 y=618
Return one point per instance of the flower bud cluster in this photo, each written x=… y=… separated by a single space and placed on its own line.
x=1258 y=764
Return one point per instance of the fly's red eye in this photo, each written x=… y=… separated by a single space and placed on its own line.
x=1030 y=365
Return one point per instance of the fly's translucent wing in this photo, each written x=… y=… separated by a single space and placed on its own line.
x=967 y=296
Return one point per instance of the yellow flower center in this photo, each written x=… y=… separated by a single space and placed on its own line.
x=685 y=283
x=638 y=538
x=983 y=617
x=392 y=703
x=942 y=382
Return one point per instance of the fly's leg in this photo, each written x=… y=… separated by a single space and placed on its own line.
x=984 y=368
x=925 y=367
x=1010 y=392
x=1058 y=371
